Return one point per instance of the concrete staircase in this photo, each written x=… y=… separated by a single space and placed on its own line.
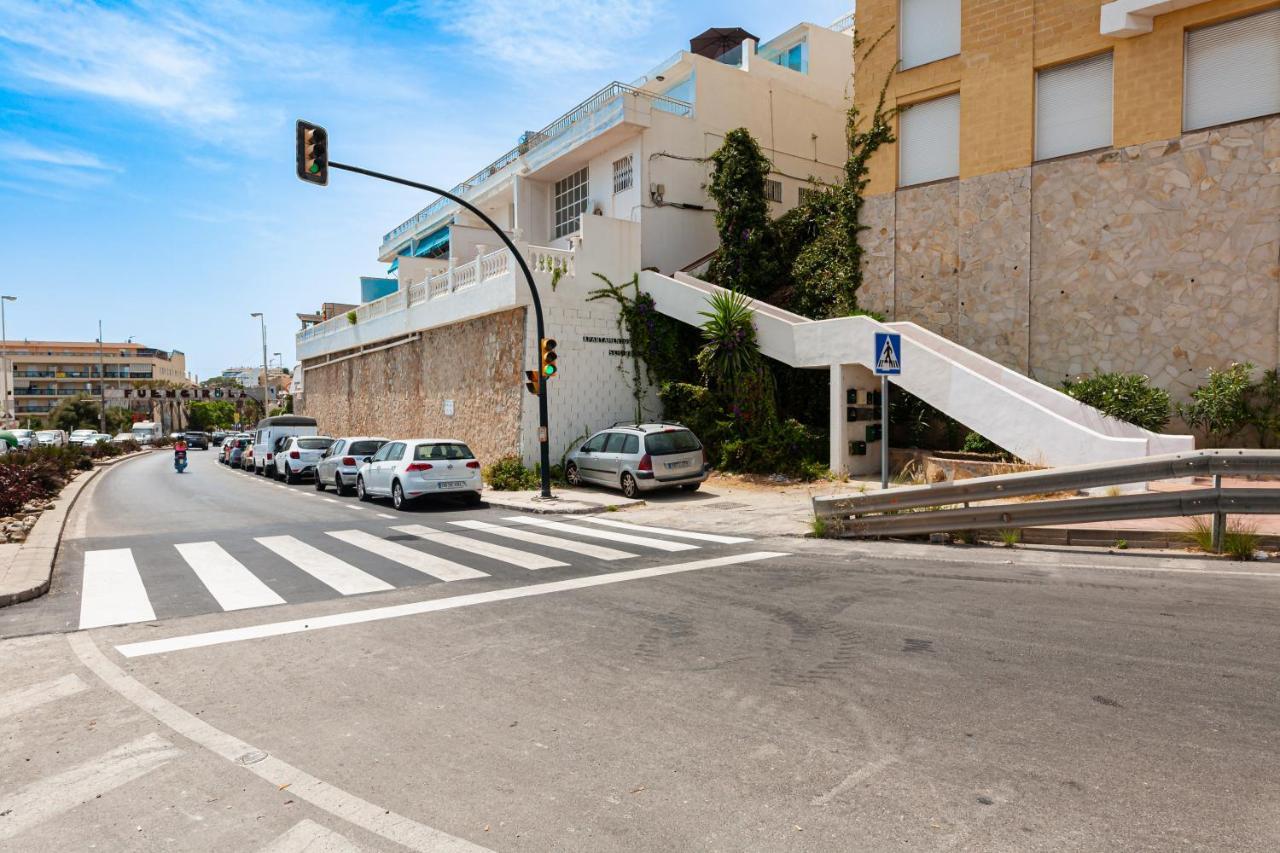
x=1037 y=423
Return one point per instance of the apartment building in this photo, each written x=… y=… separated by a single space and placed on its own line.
x=1080 y=186
x=44 y=373
x=614 y=185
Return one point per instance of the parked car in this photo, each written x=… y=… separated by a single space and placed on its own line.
x=407 y=470
x=638 y=458
x=234 y=450
x=269 y=433
x=79 y=435
x=26 y=438
x=94 y=438
x=298 y=455
x=219 y=436
x=122 y=437
x=341 y=462
x=246 y=458
x=196 y=440
x=51 y=438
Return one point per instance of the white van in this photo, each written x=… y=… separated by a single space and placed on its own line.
x=269 y=434
x=145 y=432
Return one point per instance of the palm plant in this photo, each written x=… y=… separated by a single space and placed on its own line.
x=729 y=350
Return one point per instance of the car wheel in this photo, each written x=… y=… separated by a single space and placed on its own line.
x=319 y=483
x=398 y=499
x=571 y=475
x=360 y=491
x=691 y=487
x=471 y=499
x=629 y=487
x=338 y=485
x=289 y=476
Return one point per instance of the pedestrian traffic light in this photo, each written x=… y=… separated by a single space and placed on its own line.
x=548 y=361
x=313 y=153
x=531 y=385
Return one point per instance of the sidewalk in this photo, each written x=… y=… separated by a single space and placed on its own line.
x=566 y=501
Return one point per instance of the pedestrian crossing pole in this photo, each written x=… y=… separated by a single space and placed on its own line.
x=884 y=432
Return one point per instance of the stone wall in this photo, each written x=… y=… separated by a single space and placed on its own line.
x=1161 y=259
x=401 y=391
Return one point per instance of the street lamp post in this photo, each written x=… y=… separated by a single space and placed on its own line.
x=4 y=345
x=102 y=385
x=263 y=320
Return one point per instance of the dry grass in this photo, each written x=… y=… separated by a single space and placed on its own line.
x=1239 y=542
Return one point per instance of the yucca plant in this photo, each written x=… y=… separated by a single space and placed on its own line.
x=729 y=350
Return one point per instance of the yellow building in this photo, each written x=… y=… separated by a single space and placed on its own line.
x=44 y=373
x=1079 y=186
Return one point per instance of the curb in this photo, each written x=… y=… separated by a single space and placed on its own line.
x=38 y=553
x=554 y=508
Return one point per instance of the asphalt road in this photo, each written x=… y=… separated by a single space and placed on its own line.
x=826 y=697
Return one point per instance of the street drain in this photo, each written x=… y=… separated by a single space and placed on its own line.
x=251 y=758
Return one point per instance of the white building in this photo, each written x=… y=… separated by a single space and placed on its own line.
x=613 y=186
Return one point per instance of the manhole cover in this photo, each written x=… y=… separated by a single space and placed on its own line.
x=251 y=758
x=726 y=505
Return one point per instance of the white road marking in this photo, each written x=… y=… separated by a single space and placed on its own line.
x=667 y=531
x=428 y=564
x=628 y=538
x=375 y=614
x=307 y=836
x=329 y=500
x=228 y=581
x=326 y=568
x=587 y=550
x=40 y=801
x=385 y=515
x=394 y=827
x=112 y=592
x=523 y=559
x=17 y=701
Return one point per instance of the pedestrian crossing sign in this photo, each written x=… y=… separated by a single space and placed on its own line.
x=888 y=354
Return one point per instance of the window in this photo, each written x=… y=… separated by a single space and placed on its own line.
x=365 y=448
x=395 y=452
x=424 y=452
x=808 y=194
x=622 y=174
x=596 y=444
x=682 y=91
x=381 y=455
x=1073 y=107
x=929 y=30
x=631 y=445
x=929 y=141
x=314 y=443
x=569 y=203
x=793 y=57
x=615 y=442
x=1232 y=71
x=773 y=190
x=671 y=441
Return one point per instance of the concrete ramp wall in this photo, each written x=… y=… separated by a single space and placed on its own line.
x=1035 y=422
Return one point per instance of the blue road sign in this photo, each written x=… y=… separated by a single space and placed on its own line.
x=888 y=354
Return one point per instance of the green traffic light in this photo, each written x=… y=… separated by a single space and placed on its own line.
x=315 y=168
x=549 y=369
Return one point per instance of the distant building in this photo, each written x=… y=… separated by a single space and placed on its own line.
x=44 y=373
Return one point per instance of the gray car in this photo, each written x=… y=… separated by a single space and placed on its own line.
x=341 y=463
x=638 y=458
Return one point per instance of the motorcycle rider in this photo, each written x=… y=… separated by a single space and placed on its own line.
x=180 y=454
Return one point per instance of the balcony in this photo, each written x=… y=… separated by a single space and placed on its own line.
x=603 y=104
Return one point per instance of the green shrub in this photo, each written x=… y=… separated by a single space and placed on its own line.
x=1220 y=406
x=1126 y=396
x=975 y=443
x=509 y=474
x=18 y=485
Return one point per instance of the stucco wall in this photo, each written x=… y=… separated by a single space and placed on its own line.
x=1161 y=259
x=400 y=392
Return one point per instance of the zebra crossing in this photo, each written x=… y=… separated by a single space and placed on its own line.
x=140 y=584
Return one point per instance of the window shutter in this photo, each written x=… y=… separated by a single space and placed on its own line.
x=929 y=141
x=1232 y=71
x=929 y=30
x=1073 y=107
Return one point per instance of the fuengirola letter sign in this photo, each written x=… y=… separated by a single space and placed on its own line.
x=185 y=394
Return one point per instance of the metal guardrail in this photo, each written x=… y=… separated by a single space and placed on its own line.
x=901 y=512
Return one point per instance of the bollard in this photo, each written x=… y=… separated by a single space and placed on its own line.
x=1219 y=518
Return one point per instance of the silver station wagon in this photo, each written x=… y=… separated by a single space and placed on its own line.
x=638 y=458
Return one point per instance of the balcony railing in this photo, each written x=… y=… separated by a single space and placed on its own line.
x=845 y=23
x=534 y=140
x=484 y=268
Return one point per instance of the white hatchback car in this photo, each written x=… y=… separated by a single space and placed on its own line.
x=405 y=470
x=341 y=462
x=296 y=456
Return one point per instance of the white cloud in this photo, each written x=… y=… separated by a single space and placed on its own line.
x=26 y=151
x=561 y=35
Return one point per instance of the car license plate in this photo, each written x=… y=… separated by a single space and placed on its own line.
x=677 y=464
x=453 y=484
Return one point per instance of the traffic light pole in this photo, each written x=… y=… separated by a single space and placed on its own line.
x=543 y=431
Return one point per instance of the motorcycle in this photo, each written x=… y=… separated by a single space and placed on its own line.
x=180 y=461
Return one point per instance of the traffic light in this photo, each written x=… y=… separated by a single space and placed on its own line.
x=313 y=153
x=531 y=383
x=548 y=362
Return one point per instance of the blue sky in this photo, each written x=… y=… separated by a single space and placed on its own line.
x=146 y=148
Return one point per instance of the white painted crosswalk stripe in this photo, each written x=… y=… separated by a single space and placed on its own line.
x=428 y=564
x=47 y=798
x=523 y=559
x=584 y=548
x=232 y=585
x=112 y=592
x=307 y=836
x=329 y=570
x=667 y=531
x=17 y=701
x=627 y=538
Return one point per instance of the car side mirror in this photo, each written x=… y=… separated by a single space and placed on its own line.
x=585 y=449
x=368 y=459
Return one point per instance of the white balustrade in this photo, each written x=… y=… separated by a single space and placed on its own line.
x=548 y=260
